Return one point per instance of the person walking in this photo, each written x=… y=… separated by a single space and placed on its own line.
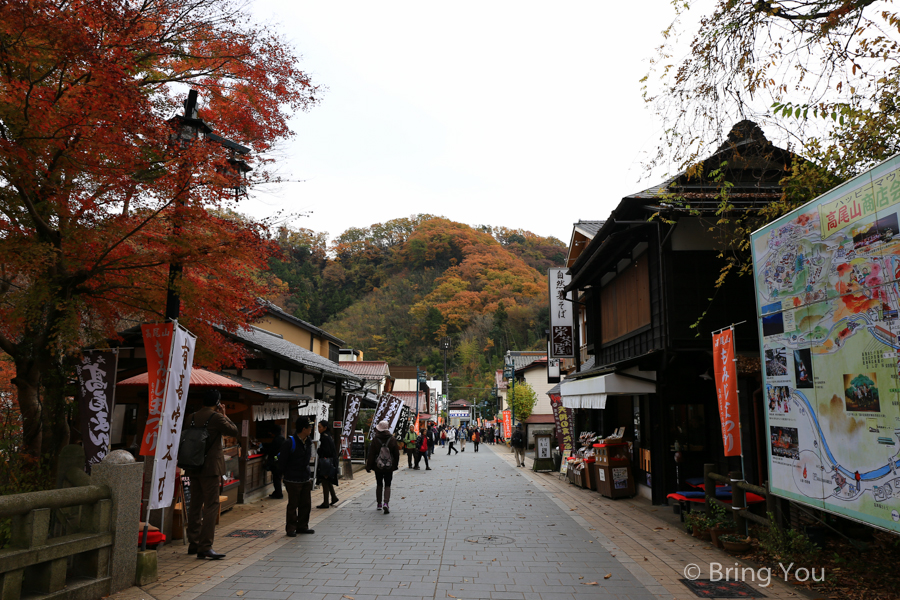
x=409 y=446
x=443 y=436
x=294 y=460
x=517 y=441
x=462 y=434
x=326 y=473
x=384 y=459
x=273 y=449
x=451 y=441
x=476 y=439
x=422 y=450
x=432 y=439
x=204 y=507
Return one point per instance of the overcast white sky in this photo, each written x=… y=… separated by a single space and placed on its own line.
x=522 y=114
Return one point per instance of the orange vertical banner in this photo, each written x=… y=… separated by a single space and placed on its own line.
x=507 y=424
x=158 y=348
x=726 y=390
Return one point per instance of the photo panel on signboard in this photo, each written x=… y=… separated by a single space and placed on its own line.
x=793 y=437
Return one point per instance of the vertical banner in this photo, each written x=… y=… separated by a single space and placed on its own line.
x=388 y=409
x=96 y=396
x=403 y=423
x=565 y=425
x=507 y=424
x=157 y=346
x=726 y=390
x=350 y=415
x=177 y=384
x=562 y=332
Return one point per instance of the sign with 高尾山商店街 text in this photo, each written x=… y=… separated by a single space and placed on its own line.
x=827 y=279
x=562 y=330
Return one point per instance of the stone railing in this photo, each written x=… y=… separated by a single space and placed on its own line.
x=96 y=553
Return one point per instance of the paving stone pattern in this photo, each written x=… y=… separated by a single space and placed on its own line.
x=524 y=546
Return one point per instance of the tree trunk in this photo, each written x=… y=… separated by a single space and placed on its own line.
x=28 y=392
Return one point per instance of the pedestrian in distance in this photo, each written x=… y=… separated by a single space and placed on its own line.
x=443 y=436
x=517 y=441
x=476 y=439
x=272 y=450
x=461 y=436
x=384 y=459
x=432 y=439
x=326 y=471
x=409 y=446
x=295 y=464
x=451 y=442
x=422 y=450
x=204 y=507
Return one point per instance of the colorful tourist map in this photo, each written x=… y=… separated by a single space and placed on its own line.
x=827 y=280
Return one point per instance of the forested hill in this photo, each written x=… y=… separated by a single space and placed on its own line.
x=393 y=289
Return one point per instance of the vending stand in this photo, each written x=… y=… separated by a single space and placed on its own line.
x=612 y=470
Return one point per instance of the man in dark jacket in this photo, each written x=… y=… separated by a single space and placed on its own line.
x=327 y=474
x=273 y=449
x=294 y=461
x=517 y=441
x=204 y=507
x=432 y=438
x=383 y=463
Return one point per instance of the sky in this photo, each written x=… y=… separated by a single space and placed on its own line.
x=517 y=114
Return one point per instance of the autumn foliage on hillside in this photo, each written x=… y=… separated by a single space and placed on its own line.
x=394 y=289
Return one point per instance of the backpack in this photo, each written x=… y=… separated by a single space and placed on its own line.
x=193 y=446
x=443 y=435
x=384 y=461
x=423 y=444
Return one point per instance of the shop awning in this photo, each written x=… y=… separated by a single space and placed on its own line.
x=199 y=378
x=592 y=392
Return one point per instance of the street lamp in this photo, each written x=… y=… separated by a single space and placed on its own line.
x=445 y=347
x=509 y=372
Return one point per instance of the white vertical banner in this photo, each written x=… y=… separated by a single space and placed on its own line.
x=562 y=331
x=178 y=380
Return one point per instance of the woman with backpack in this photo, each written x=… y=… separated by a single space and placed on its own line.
x=384 y=459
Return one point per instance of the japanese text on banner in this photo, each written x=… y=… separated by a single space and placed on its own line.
x=158 y=345
x=177 y=384
x=726 y=391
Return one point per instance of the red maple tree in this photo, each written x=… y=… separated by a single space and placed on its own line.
x=97 y=177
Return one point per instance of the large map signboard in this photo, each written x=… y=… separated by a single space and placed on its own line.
x=828 y=298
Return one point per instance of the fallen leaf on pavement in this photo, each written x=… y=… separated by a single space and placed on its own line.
x=607 y=576
x=348 y=597
x=670 y=540
x=240 y=593
x=591 y=583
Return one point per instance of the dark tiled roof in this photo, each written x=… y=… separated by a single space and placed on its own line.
x=269 y=391
x=273 y=344
x=409 y=399
x=367 y=369
x=274 y=310
x=524 y=358
x=589 y=228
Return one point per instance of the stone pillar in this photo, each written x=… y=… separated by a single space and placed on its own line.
x=124 y=478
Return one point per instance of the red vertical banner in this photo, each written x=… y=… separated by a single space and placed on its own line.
x=158 y=348
x=507 y=424
x=726 y=390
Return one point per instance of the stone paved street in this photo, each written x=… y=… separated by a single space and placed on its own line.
x=473 y=527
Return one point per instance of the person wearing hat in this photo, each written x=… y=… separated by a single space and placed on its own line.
x=384 y=459
x=294 y=462
x=204 y=507
x=517 y=441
